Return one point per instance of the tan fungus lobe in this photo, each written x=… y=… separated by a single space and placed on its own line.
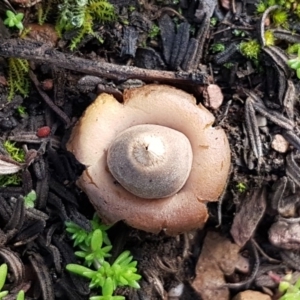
x=162 y=105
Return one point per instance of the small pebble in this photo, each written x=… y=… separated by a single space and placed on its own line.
x=213 y=96
x=279 y=143
x=176 y=291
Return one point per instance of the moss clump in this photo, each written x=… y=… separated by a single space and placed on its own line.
x=82 y=15
x=250 y=49
x=18 y=79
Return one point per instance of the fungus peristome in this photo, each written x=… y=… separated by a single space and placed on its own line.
x=177 y=211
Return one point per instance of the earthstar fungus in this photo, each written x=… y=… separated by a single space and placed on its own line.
x=153 y=161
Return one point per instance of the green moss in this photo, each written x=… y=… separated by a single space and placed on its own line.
x=18 y=79
x=269 y=38
x=261 y=7
x=15 y=152
x=280 y=17
x=154 y=31
x=250 y=49
x=293 y=49
x=10 y=180
x=82 y=15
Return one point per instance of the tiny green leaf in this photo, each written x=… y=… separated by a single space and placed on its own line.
x=108 y=287
x=3 y=274
x=30 y=198
x=298 y=73
x=78 y=269
x=96 y=242
x=3 y=294
x=21 y=295
x=283 y=286
x=19 y=17
x=20 y=26
x=10 y=14
x=14 y=20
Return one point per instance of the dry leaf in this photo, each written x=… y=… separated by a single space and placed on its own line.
x=9 y=166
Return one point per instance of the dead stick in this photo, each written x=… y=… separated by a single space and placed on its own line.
x=48 y=100
x=44 y=53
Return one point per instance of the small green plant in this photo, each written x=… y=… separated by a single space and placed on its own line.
x=213 y=21
x=241 y=187
x=218 y=47
x=18 y=79
x=228 y=65
x=280 y=17
x=81 y=15
x=22 y=111
x=250 y=49
x=10 y=180
x=238 y=33
x=3 y=275
x=14 y=20
x=29 y=199
x=269 y=38
x=294 y=63
x=154 y=31
x=95 y=248
x=290 y=291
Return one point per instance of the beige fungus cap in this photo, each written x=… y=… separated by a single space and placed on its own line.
x=202 y=151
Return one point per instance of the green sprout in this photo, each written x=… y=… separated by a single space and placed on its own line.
x=10 y=180
x=294 y=64
x=293 y=49
x=228 y=65
x=290 y=291
x=21 y=295
x=3 y=276
x=241 y=187
x=22 y=111
x=95 y=248
x=218 y=47
x=131 y=8
x=14 y=20
x=213 y=21
x=154 y=31
x=238 y=33
x=261 y=7
x=250 y=49
x=29 y=199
